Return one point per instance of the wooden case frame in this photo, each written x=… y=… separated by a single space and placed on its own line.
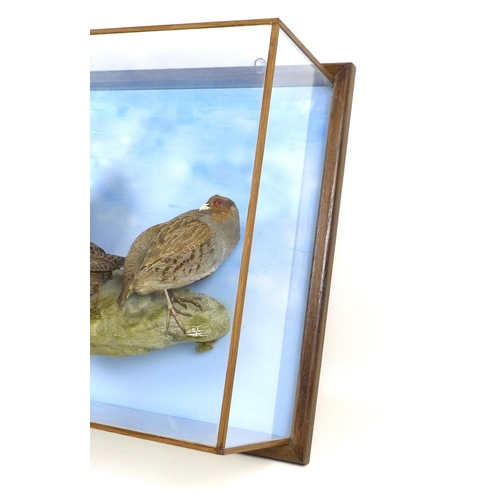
x=297 y=447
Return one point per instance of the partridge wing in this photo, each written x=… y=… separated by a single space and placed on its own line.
x=178 y=236
x=101 y=265
x=96 y=251
x=99 y=262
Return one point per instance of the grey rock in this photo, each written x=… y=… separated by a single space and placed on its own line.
x=139 y=326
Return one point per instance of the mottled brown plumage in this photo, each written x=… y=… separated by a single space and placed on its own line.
x=181 y=251
x=102 y=266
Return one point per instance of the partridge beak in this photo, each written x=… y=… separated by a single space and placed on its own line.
x=205 y=206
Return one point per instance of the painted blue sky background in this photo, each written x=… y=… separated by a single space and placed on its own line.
x=157 y=153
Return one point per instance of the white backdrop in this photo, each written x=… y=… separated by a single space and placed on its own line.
x=409 y=377
x=408 y=400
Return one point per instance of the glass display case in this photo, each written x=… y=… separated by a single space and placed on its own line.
x=180 y=113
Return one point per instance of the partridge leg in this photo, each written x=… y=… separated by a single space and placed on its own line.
x=171 y=311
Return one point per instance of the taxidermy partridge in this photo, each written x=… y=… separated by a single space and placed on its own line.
x=102 y=266
x=179 y=252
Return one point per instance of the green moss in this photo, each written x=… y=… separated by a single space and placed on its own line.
x=95 y=314
x=205 y=346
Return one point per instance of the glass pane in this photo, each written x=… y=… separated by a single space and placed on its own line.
x=162 y=144
x=189 y=48
x=277 y=291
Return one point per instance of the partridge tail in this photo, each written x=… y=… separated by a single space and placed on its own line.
x=124 y=295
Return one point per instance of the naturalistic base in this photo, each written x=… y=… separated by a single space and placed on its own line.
x=140 y=325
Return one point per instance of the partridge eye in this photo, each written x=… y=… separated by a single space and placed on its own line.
x=218 y=202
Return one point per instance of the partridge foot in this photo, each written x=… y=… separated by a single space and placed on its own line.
x=171 y=310
x=183 y=301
